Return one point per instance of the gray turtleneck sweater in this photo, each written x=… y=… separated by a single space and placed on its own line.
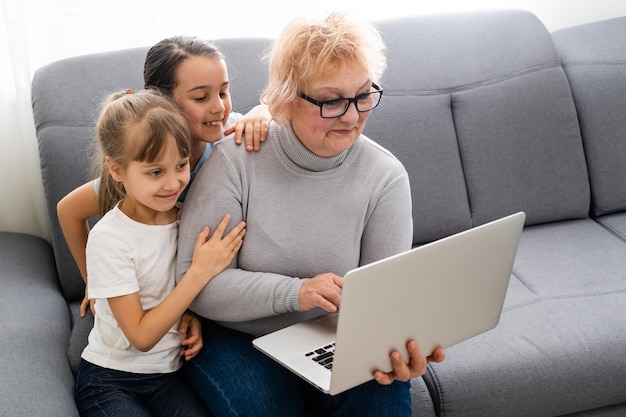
x=305 y=215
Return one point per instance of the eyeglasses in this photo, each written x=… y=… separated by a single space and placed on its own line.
x=337 y=107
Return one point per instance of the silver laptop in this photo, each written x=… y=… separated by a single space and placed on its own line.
x=438 y=294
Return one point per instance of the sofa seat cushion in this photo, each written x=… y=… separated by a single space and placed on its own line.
x=35 y=333
x=615 y=223
x=563 y=325
x=572 y=258
x=534 y=357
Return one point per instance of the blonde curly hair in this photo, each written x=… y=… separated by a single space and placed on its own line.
x=306 y=50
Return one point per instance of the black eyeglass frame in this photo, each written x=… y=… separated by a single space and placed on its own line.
x=354 y=100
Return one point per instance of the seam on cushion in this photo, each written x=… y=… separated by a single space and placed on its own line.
x=482 y=83
x=45 y=125
x=593 y=63
x=458 y=151
x=527 y=303
x=564 y=297
x=610 y=229
x=439 y=404
x=519 y=278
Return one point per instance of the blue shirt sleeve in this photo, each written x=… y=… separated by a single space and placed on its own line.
x=233 y=117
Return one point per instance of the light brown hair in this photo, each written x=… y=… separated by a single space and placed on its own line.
x=135 y=127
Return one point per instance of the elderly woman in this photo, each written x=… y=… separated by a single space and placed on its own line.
x=318 y=200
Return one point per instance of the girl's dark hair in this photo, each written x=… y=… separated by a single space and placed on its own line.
x=162 y=61
x=136 y=127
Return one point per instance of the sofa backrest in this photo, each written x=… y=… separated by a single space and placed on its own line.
x=594 y=58
x=66 y=98
x=476 y=105
x=478 y=108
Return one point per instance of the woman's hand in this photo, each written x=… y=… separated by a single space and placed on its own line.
x=416 y=366
x=253 y=125
x=322 y=291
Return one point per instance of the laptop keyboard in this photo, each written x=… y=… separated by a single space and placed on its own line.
x=323 y=356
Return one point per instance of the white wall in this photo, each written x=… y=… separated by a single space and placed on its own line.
x=66 y=28
x=555 y=14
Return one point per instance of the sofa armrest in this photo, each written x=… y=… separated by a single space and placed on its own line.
x=35 y=377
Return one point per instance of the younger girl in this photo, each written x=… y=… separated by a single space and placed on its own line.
x=131 y=365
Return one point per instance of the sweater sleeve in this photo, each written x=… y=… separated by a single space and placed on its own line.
x=389 y=229
x=235 y=294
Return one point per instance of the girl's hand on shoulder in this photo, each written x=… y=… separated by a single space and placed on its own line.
x=253 y=127
x=212 y=255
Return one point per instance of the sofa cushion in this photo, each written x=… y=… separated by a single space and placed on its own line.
x=594 y=58
x=615 y=223
x=571 y=259
x=558 y=356
x=481 y=114
x=561 y=313
x=521 y=149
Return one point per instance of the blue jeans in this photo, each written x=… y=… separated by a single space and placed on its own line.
x=102 y=392
x=234 y=379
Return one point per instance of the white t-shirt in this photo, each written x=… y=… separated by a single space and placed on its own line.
x=125 y=257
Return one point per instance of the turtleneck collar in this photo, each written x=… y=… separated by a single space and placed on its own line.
x=299 y=155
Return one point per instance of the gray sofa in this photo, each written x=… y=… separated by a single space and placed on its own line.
x=491 y=114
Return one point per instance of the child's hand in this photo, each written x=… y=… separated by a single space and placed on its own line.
x=191 y=326
x=87 y=303
x=211 y=256
x=253 y=125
